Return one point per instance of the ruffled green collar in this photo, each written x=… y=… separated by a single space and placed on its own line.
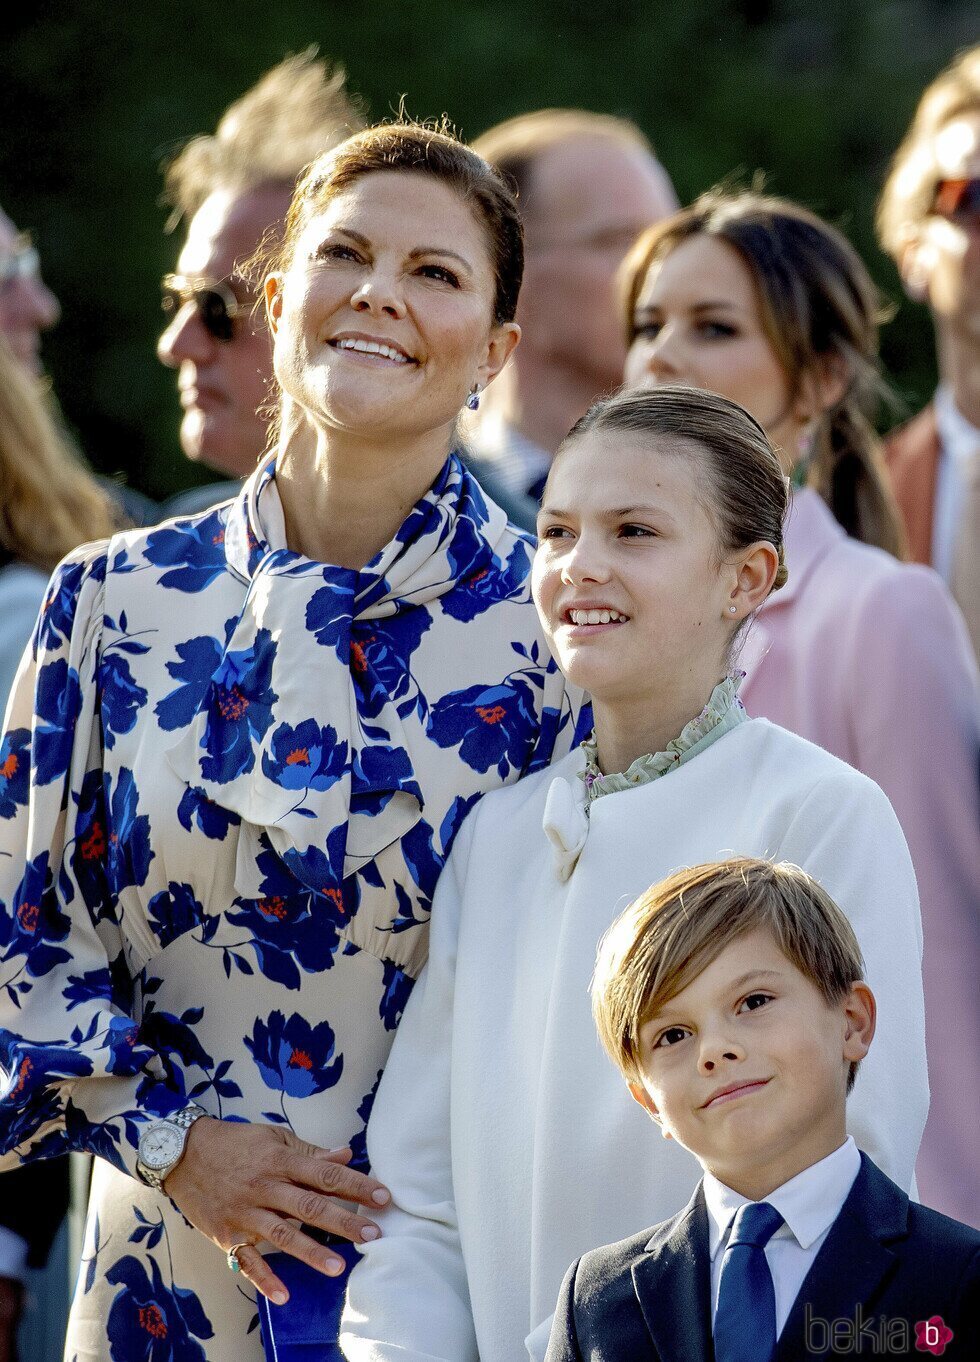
x=722 y=713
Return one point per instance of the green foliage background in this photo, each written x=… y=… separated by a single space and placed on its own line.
x=94 y=93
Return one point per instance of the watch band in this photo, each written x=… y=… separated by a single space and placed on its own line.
x=183 y=1119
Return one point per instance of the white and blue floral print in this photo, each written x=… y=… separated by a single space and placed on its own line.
x=228 y=784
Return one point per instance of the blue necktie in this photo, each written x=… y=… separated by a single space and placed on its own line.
x=745 y=1321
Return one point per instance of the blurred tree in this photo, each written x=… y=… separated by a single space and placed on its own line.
x=92 y=96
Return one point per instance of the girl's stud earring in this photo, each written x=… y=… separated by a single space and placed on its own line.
x=473 y=401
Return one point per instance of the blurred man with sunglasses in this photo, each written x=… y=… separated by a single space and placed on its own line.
x=929 y=222
x=232 y=189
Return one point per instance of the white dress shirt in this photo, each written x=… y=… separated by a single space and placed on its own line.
x=959 y=443
x=809 y=1205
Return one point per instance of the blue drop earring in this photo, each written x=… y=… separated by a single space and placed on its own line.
x=473 y=401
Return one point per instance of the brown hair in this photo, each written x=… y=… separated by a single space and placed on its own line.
x=673 y=932
x=296 y=111
x=422 y=150
x=748 y=493
x=909 y=191
x=514 y=145
x=49 y=501
x=817 y=302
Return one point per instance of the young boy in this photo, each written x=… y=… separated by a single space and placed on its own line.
x=730 y=996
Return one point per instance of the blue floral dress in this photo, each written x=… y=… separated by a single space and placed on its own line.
x=227 y=787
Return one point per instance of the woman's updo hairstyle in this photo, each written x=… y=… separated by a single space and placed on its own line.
x=747 y=494
x=422 y=150
x=817 y=303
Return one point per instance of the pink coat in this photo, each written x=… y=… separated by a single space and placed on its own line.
x=870 y=659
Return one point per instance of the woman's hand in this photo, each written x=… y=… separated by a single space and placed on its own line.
x=246 y=1184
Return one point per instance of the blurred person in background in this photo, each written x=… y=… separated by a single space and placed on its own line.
x=32 y=1201
x=232 y=188
x=759 y=300
x=929 y=222
x=49 y=504
x=27 y=306
x=587 y=184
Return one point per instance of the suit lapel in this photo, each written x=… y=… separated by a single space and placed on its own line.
x=854 y=1260
x=672 y=1282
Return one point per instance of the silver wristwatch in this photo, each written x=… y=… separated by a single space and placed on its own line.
x=161 y=1145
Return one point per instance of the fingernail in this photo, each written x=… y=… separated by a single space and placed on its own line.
x=370 y=1232
x=380 y=1197
x=335 y=1266
x=279 y=1298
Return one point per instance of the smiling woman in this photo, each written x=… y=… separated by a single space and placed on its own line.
x=266 y=725
x=391 y=301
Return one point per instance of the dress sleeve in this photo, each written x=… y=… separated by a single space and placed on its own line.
x=917 y=735
x=408 y=1300
x=845 y=834
x=74 y=1074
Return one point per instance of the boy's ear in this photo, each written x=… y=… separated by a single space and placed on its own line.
x=639 y=1094
x=860 y=1015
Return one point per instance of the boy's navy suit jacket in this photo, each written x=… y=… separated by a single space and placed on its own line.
x=646 y=1299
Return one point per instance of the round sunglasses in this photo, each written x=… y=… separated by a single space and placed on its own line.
x=217 y=307
x=19 y=261
x=957 y=199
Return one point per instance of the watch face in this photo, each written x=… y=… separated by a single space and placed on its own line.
x=161 y=1145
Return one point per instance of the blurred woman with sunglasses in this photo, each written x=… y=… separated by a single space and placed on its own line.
x=251 y=738
x=929 y=222
x=759 y=300
x=49 y=504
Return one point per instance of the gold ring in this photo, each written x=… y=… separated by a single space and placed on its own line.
x=231 y=1258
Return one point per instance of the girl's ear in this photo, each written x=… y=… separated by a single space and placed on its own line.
x=755 y=572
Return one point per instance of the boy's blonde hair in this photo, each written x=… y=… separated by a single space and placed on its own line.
x=674 y=931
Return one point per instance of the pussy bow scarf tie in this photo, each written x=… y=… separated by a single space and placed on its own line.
x=301 y=729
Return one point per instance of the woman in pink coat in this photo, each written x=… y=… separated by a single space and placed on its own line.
x=759 y=300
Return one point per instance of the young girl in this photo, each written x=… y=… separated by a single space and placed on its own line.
x=499 y=1127
x=759 y=300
